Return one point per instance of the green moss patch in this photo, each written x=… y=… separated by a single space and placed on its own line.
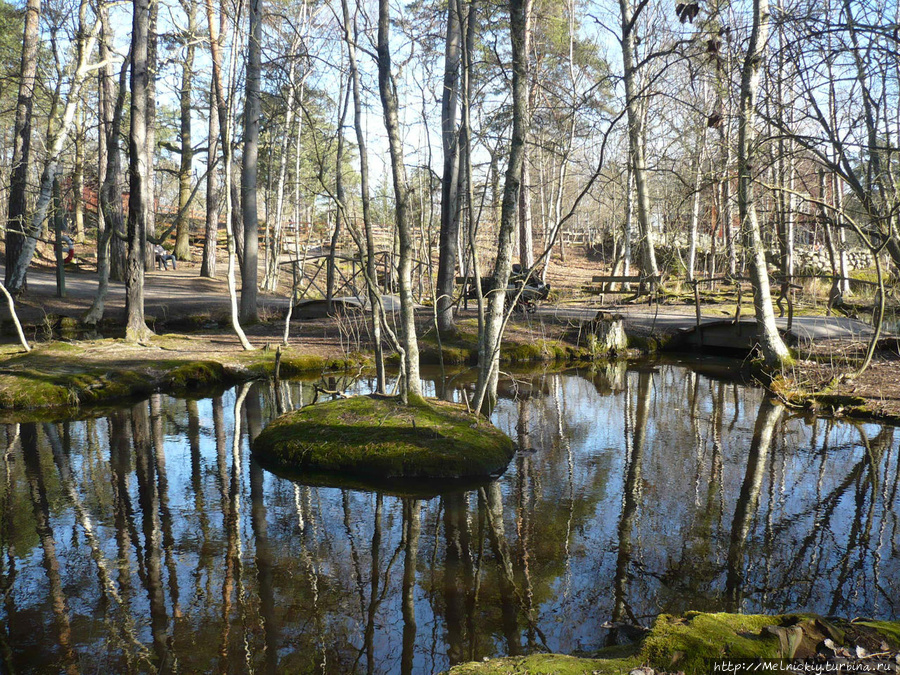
x=547 y=664
x=63 y=375
x=380 y=438
x=686 y=643
x=194 y=375
x=461 y=348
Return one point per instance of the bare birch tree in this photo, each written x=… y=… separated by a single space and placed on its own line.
x=249 y=167
x=16 y=214
x=387 y=89
x=774 y=351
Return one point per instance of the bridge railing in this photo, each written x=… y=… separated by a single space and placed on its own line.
x=786 y=286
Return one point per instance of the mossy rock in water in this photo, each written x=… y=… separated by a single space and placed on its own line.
x=380 y=438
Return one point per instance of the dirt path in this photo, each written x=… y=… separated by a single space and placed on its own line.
x=174 y=293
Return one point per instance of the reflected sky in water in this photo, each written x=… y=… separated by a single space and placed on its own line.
x=149 y=539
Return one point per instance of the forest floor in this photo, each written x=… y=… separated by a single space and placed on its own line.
x=192 y=314
x=824 y=380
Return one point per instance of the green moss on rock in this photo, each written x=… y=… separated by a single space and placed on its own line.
x=690 y=640
x=194 y=375
x=547 y=664
x=380 y=438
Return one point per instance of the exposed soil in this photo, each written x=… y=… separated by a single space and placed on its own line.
x=825 y=380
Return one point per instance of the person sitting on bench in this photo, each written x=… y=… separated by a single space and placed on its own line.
x=68 y=246
x=163 y=257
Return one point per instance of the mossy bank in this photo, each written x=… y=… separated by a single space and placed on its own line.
x=65 y=375
x=379 y=438
x=687 y=643
x=539 y=343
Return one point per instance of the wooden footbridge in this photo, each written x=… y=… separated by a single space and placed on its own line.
x=716 y=333
x=694 y=330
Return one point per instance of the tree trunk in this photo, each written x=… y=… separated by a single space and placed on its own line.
x=526 y=212
x=104 y=118
x=695 y=216
x=496 y=193
x=109 y=210
x=636 y=136
x=774 y=351
x=449 y=239
x=838 y=203
x=249 y=271
x=726 y=209
x=18 y=186
x=695 y=202
x=58 y=220
x=629 y=221
x=139 y=161
x=226 y=120
x=183 y=223
x=836 y=184
x=85 y=42
x=526 y=219
x=340 y=212
x=465 y=147
x=825 y=217
x=274 y=246
x=78 y=176
x=489 y=344
x=11 y=308
x=150 y=200
x=211 y=234
x=237 y=222
x=387 y=90
x=371 y=272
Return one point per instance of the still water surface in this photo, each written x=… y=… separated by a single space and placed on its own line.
x=150 y=539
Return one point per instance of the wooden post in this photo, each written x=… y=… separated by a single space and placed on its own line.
x=696 y=286
x=790 y=301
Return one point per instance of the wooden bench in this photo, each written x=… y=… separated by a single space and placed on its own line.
x=635 y=285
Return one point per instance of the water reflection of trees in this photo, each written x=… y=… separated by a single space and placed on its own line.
x=151 y=537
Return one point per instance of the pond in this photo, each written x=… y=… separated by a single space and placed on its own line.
x=149 y=537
